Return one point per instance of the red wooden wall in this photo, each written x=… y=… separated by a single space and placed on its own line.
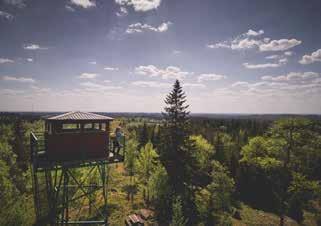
x=77 y=146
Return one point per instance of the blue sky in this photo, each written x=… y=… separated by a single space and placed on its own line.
x=240 y=56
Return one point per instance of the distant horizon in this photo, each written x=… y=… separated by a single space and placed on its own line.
x=192 y=113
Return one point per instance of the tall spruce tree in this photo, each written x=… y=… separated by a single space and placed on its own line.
x=176 y=149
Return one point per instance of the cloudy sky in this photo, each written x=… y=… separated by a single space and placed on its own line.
x=231 y=56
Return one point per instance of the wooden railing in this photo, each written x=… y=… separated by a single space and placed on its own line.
x=38 y=148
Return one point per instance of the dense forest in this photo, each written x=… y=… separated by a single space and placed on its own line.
x=189 y=170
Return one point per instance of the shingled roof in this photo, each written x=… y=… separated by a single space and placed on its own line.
x=78 y=115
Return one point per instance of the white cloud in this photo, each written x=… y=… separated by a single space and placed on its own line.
x=163 y=27
x=171 y=72
x=34 y=47
x=69 y=8
x=210 y=77
x=277 y=78
x=193 y=85
x=18 y=79
x=88 y=76
x=6 y=60
x=83 y=3
x=154 y=84
x=254 y=33
x=122 y=12
x=272 y=57
x=292 y=76
x=279 y=45
x=281 y=96
x=30 y=59
x=283 y=61
x=17 y=3
x=240 y=84
x=93 y=62
x=139 y=28
x=250 y=40
x=245 y=44
x=40 y=90
x=6 y=15
x=111 y=68
x=90 y=86
x=140 y=5
x=243 y=41
x=309 y=59
x=218 y=45
x=151 y=84
x=288 y=53
x=294 y=85
x=260 y=66
x=237 y=44
x=281 y=57
x=11 y=92
x=302 y=76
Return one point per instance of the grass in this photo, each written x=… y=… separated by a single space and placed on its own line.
x=254 y=217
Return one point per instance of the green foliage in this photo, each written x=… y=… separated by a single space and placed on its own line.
x=204 y=151
x=160 y=192
x=222 y=187
x=223 y=145
x=280 y=167
x=203 y=154
x=298 y=143
x=14 y=208
x=282 y=155
x=260 y=152
x=143 y=136
x=214 y=202
x=178 y=218
x=145 y=166
x=301 y=190
x=131 y=154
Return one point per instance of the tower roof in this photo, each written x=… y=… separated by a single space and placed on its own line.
x=79 y=116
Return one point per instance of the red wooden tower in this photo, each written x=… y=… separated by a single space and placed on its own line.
x=72 y=144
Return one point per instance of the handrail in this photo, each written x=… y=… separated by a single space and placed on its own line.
x=33 y=147
x=33 y=136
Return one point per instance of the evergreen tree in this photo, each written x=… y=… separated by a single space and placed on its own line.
x=177 y=150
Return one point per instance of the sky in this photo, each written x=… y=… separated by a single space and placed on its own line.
x=231 y=56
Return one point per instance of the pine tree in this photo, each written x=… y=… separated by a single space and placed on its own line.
x=176 y=149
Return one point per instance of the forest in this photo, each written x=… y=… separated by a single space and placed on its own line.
x=189 y=170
